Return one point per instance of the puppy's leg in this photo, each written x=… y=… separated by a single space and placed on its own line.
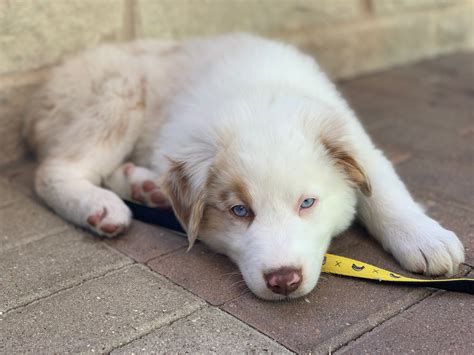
x=70 y=189
x=83 y=124
x=137 y=184
x=418 y=242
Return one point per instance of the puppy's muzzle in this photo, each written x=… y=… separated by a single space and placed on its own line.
x=284 y=280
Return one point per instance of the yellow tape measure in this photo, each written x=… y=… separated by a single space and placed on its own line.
x=339 y=265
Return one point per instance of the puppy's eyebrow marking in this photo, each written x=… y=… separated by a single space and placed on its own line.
x=224 y=195
x=242 y=192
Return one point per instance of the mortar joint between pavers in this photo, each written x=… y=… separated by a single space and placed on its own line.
x=146 y=267
x=34 y=238
x=372 y=321
x=201 y=307
x=429 y=294
x=129 y=20
x=256 y=329
x=165 y=255
x=77 y=284
x=118 y=251
x=8 y=204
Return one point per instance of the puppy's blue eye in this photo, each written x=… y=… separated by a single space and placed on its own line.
x=307 y=203
x=240 y=211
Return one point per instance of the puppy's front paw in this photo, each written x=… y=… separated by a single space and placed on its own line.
x=149 y=194
x=143 y=187
x=111 y=219
x=424 y=246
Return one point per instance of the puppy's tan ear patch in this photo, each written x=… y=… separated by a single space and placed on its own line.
x=195 y=218
x=187 y=205
x=350 y=166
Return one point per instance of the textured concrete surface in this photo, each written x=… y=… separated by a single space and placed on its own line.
x=144 y=242
x=36 y=270
x=442 y=323
x=34 y=34
x=420 y=115
x=434 y=93
x=172 y=18
x=12 y=106
x=24 y=221
x=338 y=310
x=393 y=6
x=98 y=315
x=347 y=37
x=207 y=331
x=20 y=175
x=444 y=179
x=8 y=194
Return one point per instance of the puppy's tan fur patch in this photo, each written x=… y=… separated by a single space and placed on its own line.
x=188 y=209
x=208 y=208
x=223 y=192
x=349 y=165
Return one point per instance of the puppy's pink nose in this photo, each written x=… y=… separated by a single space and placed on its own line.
x=284 y=280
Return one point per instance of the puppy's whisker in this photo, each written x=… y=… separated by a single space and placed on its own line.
x=232 y=273
x=237 y=284
x=247 y=291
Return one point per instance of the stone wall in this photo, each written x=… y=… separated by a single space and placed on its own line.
x=349 y=37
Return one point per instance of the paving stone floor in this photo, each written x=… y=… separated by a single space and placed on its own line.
x=62 y=290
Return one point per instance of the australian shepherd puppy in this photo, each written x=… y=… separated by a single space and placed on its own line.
x=245 y=138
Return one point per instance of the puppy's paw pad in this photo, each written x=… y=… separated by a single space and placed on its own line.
x=112 y=229
x=109 y=221
x=149 y=193
x=149 y=186
x=154 y=196
x=137 y=194
x=159 y=199
x=95 y=218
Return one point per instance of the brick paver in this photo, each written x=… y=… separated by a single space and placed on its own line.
x=431 y=94
x=207 y=274
x=38 y=269
x=445 y=181
x=206 y=331
x=338 y=310
x=21 y=176
x=7 y=193
x=144 y=242
x=98 y=315
x=25 y=220
x=443 y=323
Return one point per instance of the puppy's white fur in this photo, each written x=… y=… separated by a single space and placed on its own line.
x=220 y=122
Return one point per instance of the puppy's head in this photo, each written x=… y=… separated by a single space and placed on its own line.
x=271 y=194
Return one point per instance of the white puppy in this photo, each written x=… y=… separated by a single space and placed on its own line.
x=246 y=138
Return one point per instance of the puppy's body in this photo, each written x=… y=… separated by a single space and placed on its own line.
x=208 y=125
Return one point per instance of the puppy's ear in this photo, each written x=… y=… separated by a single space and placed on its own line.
x=188 y=204
x=349 y=165
x=334 y=139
